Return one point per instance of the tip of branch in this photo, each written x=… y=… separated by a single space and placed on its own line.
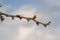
x=45 y=25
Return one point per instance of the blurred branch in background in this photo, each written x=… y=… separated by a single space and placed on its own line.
x=0 y=4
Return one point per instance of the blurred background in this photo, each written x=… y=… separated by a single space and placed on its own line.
x=45 y=10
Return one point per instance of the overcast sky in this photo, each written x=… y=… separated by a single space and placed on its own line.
x=45 y=10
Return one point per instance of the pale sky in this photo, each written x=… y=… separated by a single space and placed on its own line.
x=45 y=10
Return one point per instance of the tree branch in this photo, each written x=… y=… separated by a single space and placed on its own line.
x=20 y=17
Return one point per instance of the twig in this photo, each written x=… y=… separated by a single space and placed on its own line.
x=20 y=17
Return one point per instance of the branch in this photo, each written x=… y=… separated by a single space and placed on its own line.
x=20 y=17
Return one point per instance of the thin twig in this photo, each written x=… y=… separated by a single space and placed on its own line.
x=20 y=17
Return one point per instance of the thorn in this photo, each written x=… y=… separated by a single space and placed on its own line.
x=17 y=15
x=12 y=18
x=37 y=23
x=28 y=20
x=2 y=18
x=45 y=25
x=34 y=17
x=20 y=18
x=7 y=15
